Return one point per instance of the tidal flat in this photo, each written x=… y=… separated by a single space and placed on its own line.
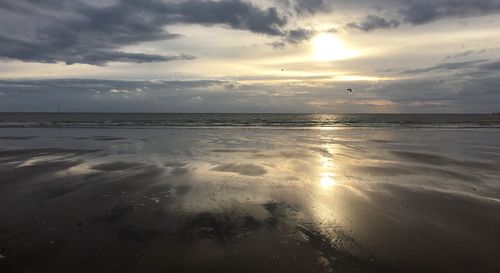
x=249 y=200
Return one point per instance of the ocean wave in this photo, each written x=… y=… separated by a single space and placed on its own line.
x=298 y=121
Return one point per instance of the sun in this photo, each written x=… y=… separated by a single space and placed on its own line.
x=327 y=47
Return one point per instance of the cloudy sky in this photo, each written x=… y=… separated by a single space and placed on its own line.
x=439 y=56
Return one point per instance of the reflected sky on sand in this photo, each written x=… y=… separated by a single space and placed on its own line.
x=249 y=200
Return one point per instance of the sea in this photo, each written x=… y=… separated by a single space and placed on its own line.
x=140 y=120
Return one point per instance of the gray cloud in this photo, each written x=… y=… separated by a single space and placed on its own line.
x=469 y=68
x=426 y=11
x=294 y=36
x=78 y=32
x=311 y=6
x=445 y=66
x=422 y=12
x=373 y=22
x=101 y=57
x=298 y=35
x=446 y=93
x=278 y=44
x=491 y=66
x=332 y=30
x=77 y=53
x=233 y=13
x=465 y=54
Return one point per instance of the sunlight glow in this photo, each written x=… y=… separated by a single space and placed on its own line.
x=327 y=47
x=358 y=78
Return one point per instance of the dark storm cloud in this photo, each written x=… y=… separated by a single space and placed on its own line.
x=78 y=32
x=30 y=6
x=373 y=22
x=233 y=13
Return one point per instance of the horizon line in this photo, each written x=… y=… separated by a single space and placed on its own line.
x=252 y=113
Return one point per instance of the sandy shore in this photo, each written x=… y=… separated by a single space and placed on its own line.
x=249 y=200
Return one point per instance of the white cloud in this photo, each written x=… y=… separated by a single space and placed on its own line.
x=197 y=99
x=119 y=91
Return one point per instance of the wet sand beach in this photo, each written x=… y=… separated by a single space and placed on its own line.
x=249 y=200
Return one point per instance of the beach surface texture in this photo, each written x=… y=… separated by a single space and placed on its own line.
x=249 y=193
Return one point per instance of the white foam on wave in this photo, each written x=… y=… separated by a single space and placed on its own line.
x=37 y=159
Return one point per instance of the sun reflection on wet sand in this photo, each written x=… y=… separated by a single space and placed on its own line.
x=327 y=180
x=326 y=198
